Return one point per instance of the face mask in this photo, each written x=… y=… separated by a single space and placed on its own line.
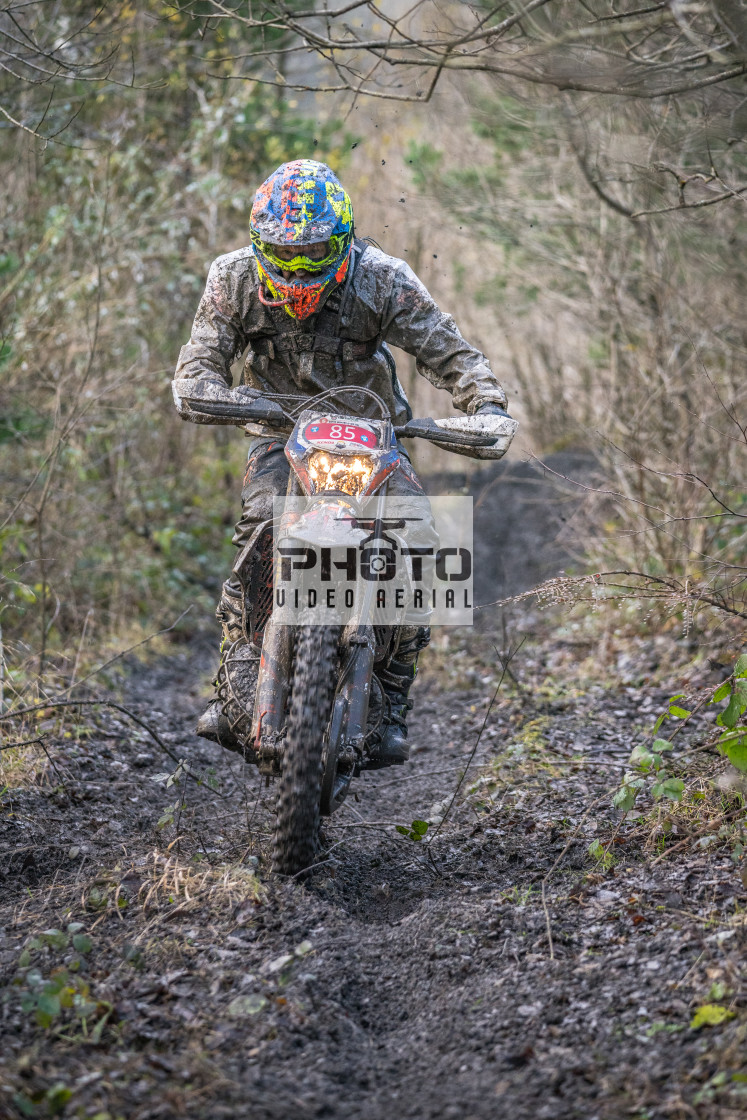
x=300 y=298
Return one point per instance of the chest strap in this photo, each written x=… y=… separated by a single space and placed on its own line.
x=305 y=342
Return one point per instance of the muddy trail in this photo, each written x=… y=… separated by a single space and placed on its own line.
x=152 y=968
x=534 y=955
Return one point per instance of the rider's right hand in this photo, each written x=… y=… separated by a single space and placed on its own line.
x=491 y=409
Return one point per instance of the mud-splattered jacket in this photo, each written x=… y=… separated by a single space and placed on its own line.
x=344 y=343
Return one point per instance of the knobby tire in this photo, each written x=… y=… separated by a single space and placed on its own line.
x=312 y=695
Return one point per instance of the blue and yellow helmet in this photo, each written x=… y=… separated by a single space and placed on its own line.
x=302 y=203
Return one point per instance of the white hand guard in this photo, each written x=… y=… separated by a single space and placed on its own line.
x=503 y=428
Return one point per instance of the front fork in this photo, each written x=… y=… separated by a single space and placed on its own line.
x=273 y=682
x=354 y=693
x=273 y=685
x=346 y=734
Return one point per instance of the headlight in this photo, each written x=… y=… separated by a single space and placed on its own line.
x=348 y=473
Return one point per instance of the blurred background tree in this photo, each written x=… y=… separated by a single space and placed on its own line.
x=588 y=187
x=114 y=513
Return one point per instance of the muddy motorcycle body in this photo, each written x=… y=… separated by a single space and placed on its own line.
x=318 y=703
x=303 y=698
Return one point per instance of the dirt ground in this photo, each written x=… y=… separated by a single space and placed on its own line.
x=534 y=956
x=496 y=969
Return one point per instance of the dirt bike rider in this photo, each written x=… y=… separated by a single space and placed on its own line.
x=314 y=307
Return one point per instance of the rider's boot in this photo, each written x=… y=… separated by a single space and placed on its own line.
x=392 y=747
x=212 y=724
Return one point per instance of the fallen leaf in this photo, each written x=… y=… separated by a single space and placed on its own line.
x=710 y=1015
x=279 y=963
x=246 y=1005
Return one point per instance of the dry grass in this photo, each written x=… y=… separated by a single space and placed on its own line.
x=163 y=885
x=23 y=766
x=191 y=886
x=708 y=815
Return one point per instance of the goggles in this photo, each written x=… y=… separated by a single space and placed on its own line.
x=338 y=246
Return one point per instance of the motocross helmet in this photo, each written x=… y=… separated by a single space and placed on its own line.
x=302 y=203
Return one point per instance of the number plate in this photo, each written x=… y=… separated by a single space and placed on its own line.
x=339 y=437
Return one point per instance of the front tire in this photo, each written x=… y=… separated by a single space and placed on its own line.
x=312 y=695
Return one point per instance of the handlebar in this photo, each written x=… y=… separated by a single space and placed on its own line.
x=485 y=436
x=267 y=412
x=259 y=411
x=429 y=429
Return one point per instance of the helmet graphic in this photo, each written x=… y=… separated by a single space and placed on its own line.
x=302 y=203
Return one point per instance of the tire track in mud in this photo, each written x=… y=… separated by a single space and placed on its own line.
x=398 y=980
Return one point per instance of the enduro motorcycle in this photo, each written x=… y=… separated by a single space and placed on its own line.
x=304 y=700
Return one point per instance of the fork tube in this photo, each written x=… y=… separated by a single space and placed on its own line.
x=273 y=681
x=357 y=675
x=272 y=685
x=357 y=672
x=369 y=586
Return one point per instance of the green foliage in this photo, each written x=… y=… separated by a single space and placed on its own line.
x=168 y=816
x=171 y=778
x=116 y=511
x=98 y=898
x=57 y=997
x=660 y=1025
x=733 y=741
x=242 y=1006
x=519 y=896
x=736 y=706
x=649 y=761
x=646 y=760
x=510 y=127
x=512 y=130
x=672 y=711
x=58 y=939
x=650 y=765
x=710 y=1015
x=51 y=1101
x=415 y=831
x=625 y=797
x=602 y=854
x=671 y=788
x=46 y=999
x=24 y=423
x=425 y=161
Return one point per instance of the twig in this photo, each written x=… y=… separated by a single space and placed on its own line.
x=83 y=632
x=572 y=837
x=505 y=663
x=21 y=743
x=321 y=863
x=7 y=716
x=414 y=774
x=701 y=832
x=52 y=764
x=690 y=969
x=548 y=922
x=368 y=824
